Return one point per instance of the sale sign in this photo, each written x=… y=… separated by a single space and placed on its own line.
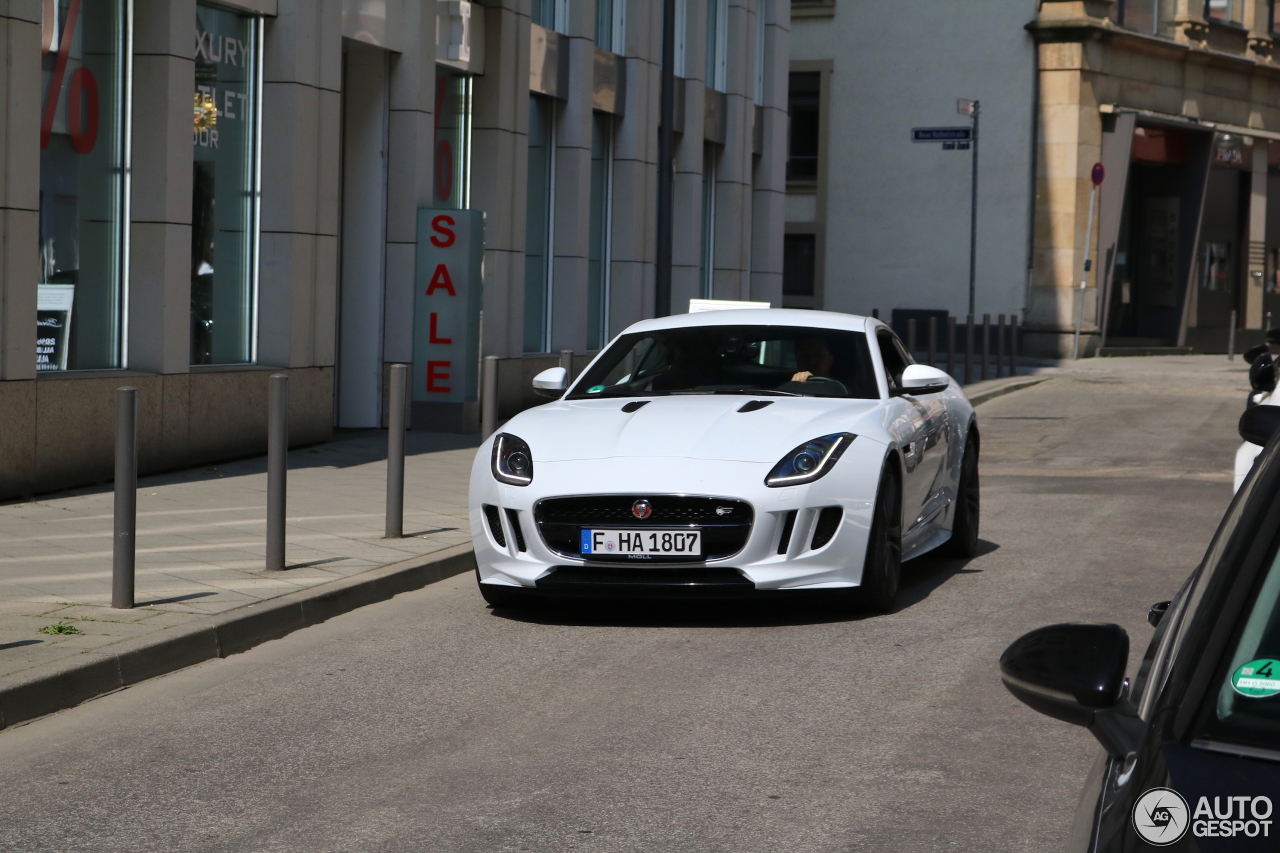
x=446 y=306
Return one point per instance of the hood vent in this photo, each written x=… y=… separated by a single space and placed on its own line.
x=635 y=405
x=755 y=405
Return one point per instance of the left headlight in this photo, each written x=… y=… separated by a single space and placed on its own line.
x=809 y=461
x=512 y=460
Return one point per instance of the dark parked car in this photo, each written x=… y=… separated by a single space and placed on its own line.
x=1191 y=747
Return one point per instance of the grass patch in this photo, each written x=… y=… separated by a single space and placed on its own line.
x=62 y=627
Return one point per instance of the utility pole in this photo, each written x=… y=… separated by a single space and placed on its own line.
x=666 y=161
x=964 y=106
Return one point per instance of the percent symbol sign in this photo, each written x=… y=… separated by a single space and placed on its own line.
x=82 y=85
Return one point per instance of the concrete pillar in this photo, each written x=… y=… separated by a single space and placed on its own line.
x=768 y=192
x=19 y=187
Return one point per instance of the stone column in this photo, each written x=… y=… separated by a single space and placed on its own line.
x=769 y=189
x=19 y=188
x=1256 y=259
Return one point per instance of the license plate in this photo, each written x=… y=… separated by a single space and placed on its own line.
x=630 y=542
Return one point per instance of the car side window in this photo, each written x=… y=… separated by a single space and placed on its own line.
x=893 y=357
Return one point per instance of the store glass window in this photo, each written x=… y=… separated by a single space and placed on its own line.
x=539 y=225
x=707 y=267
x=611 y=16
x=803 y=98
x=1147 y=16
x=453 y=140
x=552 y=14
x=224 y=205
x=84 y=155
x=717 y=42
x=598 y=249
x=799 y=264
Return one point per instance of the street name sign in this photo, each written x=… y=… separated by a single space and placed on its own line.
x=941 y=134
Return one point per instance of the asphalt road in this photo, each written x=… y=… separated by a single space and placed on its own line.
x=429 y=723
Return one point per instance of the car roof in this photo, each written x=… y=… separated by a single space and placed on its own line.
x=755 y=317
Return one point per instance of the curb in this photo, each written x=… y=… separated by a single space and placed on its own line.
x=65 y=684
x=982 y=396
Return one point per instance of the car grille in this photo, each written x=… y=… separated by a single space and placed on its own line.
x=725 y=523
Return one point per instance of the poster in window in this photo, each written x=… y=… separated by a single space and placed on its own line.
x=53 y=323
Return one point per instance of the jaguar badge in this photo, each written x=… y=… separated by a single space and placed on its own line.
x=642 y=509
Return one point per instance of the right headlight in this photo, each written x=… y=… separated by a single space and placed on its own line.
x=809 y=461
x=512 y=460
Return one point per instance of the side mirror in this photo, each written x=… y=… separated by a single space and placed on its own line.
x=1251 y=355
x=1259 y=423
x=1156 y=614
x=551 y=382
x=1074 y=672
x=922 y=379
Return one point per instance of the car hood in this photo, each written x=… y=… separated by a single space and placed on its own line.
x=696 y=427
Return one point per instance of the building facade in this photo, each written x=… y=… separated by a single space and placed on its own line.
x=194 y=196
x=876 y=221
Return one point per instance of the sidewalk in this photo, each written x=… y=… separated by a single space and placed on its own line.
x=201 y=542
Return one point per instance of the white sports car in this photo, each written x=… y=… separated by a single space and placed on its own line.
x=728 y=454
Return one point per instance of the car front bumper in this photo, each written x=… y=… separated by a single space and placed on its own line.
x=758 y=566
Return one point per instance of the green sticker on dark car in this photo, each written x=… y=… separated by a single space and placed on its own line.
x=1257 y=679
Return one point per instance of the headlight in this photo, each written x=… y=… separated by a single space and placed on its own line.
x=809 y=461
x=512 y=460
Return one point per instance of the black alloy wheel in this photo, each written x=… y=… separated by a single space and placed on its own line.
x=964 y=532
x=883 y=565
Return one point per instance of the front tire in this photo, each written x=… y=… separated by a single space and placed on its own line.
x=964 y=530
x=882 y=567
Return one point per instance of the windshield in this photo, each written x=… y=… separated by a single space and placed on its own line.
x=1248 y=699
x=755 y=360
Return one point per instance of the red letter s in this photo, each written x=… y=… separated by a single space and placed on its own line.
x=440 y=224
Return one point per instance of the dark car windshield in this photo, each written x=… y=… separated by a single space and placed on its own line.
x=1247 y=707
x=757 y=360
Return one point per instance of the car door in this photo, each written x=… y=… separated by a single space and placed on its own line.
x=909 y=424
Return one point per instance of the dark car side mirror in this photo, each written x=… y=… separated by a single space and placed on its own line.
x=1156 y=614
x=1074 y=672
x=1259 y=423
x=1251 y=355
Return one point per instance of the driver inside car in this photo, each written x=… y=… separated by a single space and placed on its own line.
x=813 y=358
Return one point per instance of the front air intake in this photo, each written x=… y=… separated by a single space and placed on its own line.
x=495 y=525
x=828 y=524
x=788 y=525
x=513 y=518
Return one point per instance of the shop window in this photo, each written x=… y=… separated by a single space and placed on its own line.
x=611 y=22
x=552 y=14
x=707 y=273
x=803 y=98
x=799 y=264
x=717 y=42
x=453 y=140
x=84 y=156
x=539 y=225
x=1224 y=10
x=224 y=202
x=760 y=24
x=599 y=252
x=1147 y=16
x=682 y=13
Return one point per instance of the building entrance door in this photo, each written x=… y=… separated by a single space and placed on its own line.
x=364 y=235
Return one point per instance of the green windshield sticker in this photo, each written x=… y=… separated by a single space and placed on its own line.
x=1257 y=678
x=595 y=389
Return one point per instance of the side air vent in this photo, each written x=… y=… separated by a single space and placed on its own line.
x=513 y=518
x=828 y=524
x=755 y=405
x=635 y=406
x=788 y=524
x=495 y=525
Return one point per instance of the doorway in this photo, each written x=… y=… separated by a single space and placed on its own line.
x=365 y=85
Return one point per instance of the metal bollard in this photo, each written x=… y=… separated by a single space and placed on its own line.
x=933 y=341
x=1013 y=346
x=968 y=350
x=911 y=337
x=1231 y=337
x=986 y=343
x=1000 y=348
x=124 y=540
x=566 y=361
x=277 y=467
x=951 y=345
x=396 y=425
x=489 y=397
